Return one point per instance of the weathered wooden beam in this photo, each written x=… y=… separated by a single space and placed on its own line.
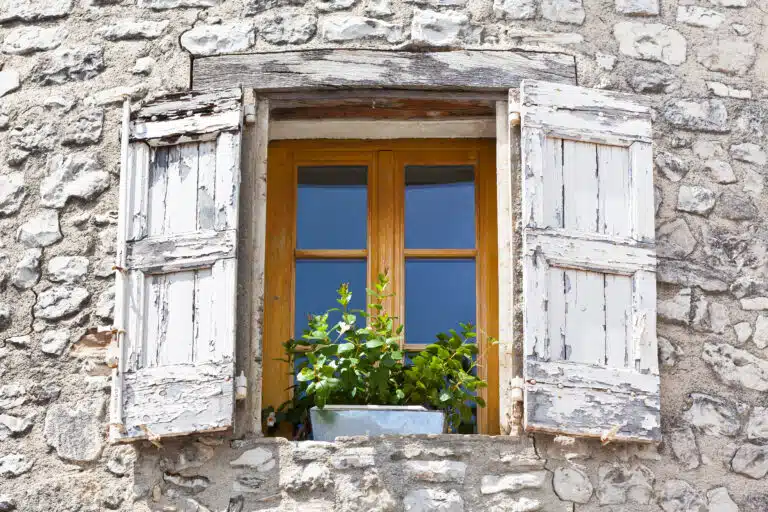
x=321 y=69
x=383 y=129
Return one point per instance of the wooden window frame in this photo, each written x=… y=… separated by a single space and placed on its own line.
x=386 y=161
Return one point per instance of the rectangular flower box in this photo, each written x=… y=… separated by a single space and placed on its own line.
x=374 y=420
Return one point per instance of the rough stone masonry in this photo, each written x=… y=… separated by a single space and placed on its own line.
x=64 y=67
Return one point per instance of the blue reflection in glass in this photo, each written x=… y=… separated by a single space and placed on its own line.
x=316 y=284
x=332 y=206
x=438 y=295
x=439 y=207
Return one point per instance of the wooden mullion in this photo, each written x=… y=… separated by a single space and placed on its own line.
x=330 y=254
x=440 y=254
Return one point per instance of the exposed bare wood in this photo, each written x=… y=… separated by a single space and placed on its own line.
x=577 y=399
x=571 y=112
x=318 y=69
x=382 y=129
x=178 y=399
x=589 y=264
x=566 y=249
x=178 y=252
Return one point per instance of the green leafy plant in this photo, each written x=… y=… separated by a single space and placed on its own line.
x=360 y=360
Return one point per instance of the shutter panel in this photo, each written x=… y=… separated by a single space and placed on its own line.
x=589 y=262
x=177 y=241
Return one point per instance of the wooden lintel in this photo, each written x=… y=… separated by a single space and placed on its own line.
x=466 y=70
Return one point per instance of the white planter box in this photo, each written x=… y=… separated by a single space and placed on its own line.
x=374 y=420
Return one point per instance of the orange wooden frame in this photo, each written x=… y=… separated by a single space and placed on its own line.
x=386 y=161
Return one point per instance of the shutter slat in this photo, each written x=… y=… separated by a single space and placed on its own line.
x=227 y=180
x=179 y=252
x=589 y=264
x=179 y=306
x=139 y=190
x=568 y=249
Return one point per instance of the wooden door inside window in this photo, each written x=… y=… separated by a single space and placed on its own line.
x=422 y=210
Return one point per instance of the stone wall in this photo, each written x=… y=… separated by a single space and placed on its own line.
x=65 y=64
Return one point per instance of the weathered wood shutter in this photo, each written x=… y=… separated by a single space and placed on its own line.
x=589 y=284
x=177 y=240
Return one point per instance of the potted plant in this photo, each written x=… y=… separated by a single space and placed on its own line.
x=353 y=377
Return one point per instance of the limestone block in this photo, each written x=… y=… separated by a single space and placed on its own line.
x=750 y=153
x=69 y=64
x=720 y=171
x=433 y=500
x=175 y=4
x=620 y=483
x=563 y=11
x=743 y=331
x=40 y=230
x=674 y=239
x=720 y=501
x=751 y=460
x=9 y=82
x=27 y=40
x=12 y=192
x=713 y=415
x=512 y=482
x=133 y=29
x=697 y=115
x=515 y=9
x=15 y=464
x=695 y=199
x=572 y=484
x=67 y=269
x=433 y=28
x=638 y=7
x=55 y=342
x=680 y=496
x=73 y=175
x=683 y=444
x=736 y=367
x=60 y=301
x=34 y=10
x=340 y=28
x=436 y=470
x=678 y=309
x=730 y=56
x=651 y=41
x=231 y=37
x=288 y=26
x=699 y=16
x=86 y=129
x=335 y=5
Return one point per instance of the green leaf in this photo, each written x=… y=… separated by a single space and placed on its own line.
x=306 y=374
x=345 y=347
x=374 y=344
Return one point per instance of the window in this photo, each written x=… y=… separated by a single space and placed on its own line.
x=344 y=211
x=190 y=286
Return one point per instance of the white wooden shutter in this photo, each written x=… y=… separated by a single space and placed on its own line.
x=177 y=240
x=589 y=284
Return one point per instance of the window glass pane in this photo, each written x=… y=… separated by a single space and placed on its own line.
x=316 y=285
x=439 y=207
x=332 y=209
x=438 y=295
